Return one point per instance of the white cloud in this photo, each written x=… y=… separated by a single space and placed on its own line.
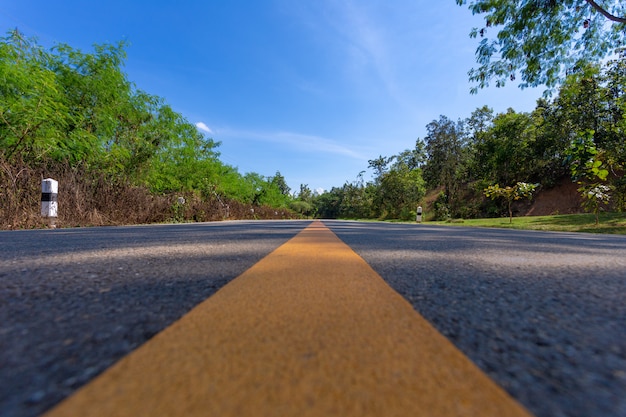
x=203 y=127
x=298 y=141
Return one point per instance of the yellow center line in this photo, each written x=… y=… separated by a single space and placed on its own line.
x=310 y=330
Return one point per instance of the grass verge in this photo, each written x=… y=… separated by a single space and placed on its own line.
x=612 y=223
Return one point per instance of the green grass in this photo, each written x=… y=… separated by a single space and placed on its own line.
x=614 y=223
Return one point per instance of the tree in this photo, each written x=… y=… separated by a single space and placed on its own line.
x=549 y=142
x=543 y=40
x=304 y=202
x=272 y=191
x=593 y=196
x=505 y=153
x=412 y=158
x=516 y=192
x=445 y=143
x=305 y=193
x=399 y=192
x=589 y=171
x=379 y=165
x=32 y=113
x=356 y=200
x=328 y=204
x=279 y=181
x=477 y=127
x=397 y=187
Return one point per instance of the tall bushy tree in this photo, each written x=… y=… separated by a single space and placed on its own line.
x=447 y=159
x=186 y=161
x=592 y=107
x=32 y=111
x=275 y=192
x=477 y=127
x=505 y=152
x=357 y=200
x=400 y=191
x=78 y=108
x=398 y=183
x=303 y=203
x=328 y=205
x=280 y=183
x=549 y=145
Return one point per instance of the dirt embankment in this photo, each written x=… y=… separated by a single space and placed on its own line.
x=563 y=198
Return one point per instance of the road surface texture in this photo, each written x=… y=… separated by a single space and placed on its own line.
x=74 y=301
x=543 y=314
x=311 y=330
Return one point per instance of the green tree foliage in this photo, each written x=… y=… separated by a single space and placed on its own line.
x=477 y=128
x=593 y=111
x=32 y=111
x=582 y=131
x=65 y=107
x=394 y=192
x=186 y=161
x=590 y=172
x=380 y=166
x=447 y=158
x=594 y=196
x=511 y=193
x=585 y=161
x=593 y=100
x=356 y=201
x=399 y=190
x=305 y=193
x=542 y=40
x=280 y=183
x=258 y=190
x=303 y=204
x=505 y=152
x=548 y=144
x=328 y=205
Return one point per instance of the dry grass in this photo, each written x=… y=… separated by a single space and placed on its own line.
x=88 y=199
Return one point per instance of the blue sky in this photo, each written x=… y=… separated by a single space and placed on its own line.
x=310 y=88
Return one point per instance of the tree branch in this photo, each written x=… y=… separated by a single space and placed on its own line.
x=606 y=13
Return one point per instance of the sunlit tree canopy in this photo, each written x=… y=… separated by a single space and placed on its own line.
x=539 y=42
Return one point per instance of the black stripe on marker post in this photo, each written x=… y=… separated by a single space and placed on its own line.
x=49 y=197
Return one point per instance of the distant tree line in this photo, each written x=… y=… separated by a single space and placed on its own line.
x=581 y=133
x=61 y=107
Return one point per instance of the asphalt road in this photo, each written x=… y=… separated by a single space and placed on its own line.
x=74 y=301
x=544 y=314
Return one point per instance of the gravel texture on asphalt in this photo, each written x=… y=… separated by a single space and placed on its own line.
x=544 y=314
x=74 y=301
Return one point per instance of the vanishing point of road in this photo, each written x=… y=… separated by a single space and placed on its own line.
x=311 y=318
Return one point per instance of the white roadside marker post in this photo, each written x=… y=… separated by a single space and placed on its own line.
x=49 y=203
x=418 y=217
